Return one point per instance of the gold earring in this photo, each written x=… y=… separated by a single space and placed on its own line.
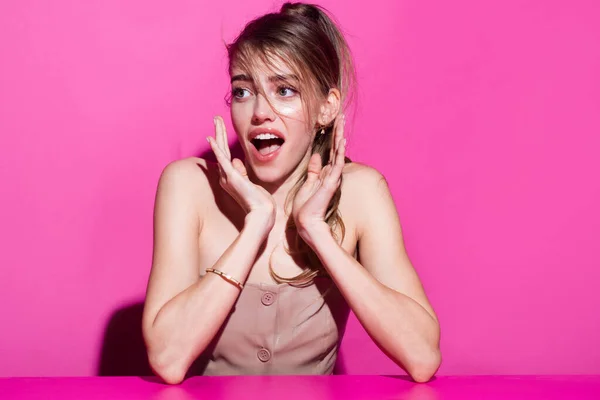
x=322 y=131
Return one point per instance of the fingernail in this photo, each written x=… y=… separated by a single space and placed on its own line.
x=208 y=139
x=344 y=141
x=215 y=120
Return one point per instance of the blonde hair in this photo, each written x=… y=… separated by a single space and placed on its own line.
x=306 y=38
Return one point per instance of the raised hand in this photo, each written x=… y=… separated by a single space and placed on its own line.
x=253 y=199
x=311 y=201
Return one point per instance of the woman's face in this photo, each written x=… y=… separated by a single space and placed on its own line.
x=271 y=105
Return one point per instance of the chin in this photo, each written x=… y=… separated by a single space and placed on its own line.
x=268 y=173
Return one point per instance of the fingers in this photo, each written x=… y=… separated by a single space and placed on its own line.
x=340 y=143
x=338 y=161
x=218 y=136
x=314 y=169
x=222 y=160
x=239 y=166
x=340 y=130
x=225 y=141
x=338 y=133
x=221 y=136
x=332 y=149
x=220 y=147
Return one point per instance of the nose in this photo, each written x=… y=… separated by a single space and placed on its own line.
x=262 y=111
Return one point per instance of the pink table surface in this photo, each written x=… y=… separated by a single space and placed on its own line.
x=345 y=387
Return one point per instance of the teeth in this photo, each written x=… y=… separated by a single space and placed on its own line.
x=264 y=136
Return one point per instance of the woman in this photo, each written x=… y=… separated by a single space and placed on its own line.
x=254 y=267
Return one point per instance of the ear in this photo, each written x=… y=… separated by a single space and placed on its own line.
x=330 y=107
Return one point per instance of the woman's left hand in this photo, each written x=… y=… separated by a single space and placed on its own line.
x=312 y=200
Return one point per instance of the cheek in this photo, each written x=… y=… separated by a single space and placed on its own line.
x=291 y=109
x=294 y=118
x=240 y=117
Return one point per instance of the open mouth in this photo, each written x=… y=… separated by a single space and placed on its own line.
x=267 y=144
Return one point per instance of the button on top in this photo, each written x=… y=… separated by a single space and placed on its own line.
x=268 y=298
x=264 y=355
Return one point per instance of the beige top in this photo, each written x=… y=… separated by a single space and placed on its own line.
x=278 y=330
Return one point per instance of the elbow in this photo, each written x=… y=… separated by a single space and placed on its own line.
x=166 y=365
x=169 y=372
x=428 y=361
x=422 y=375
x=424 y=369
x=170 y=376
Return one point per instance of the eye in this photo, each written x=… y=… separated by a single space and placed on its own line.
x=286 y=91
x=238 y=93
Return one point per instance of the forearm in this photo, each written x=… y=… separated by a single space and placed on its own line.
x=405 y=330
x=187 y=323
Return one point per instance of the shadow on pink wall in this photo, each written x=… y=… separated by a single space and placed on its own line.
x=124 y=353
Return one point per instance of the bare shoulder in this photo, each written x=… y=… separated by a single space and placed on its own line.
x=190 y=174
x=362 y=179
x=187 y=183
x=365 y=192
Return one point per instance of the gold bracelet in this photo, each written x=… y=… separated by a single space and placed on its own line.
x=228 y=278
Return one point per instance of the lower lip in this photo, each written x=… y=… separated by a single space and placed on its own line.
x=266 y=157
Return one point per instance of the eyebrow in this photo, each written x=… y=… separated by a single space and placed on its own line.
x=272 y=78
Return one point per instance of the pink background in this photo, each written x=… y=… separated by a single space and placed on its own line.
x=485 y=118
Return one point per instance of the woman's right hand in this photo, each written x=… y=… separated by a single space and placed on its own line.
x=253 y=199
